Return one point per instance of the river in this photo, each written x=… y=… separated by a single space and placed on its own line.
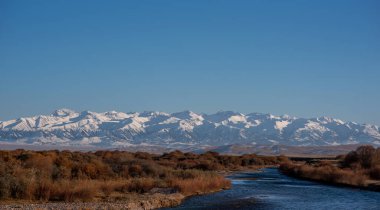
x=272 y=190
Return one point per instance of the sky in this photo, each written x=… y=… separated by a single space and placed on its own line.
x=298 y=57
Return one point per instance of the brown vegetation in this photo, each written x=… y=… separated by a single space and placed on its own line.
x=355 y=168
x=84 y=176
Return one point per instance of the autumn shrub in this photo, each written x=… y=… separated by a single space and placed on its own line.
x=42 y=190
x=141 y=185
x=81 y=176
x=204 y=183
x=107 y=188
x=5 y=186
x=66 y=190
x=364 y=157
x=375 y=172
x=325 y=173
x=207 y=165
x=84 y=193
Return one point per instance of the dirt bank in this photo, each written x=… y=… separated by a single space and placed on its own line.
x=135 y=202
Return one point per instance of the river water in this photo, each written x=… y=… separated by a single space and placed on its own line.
x=272 y=190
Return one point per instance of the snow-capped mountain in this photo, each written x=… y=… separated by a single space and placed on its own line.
x=182 y=129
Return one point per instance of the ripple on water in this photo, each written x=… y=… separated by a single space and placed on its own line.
x=300 y=186
x=237 y=182
x=271 y=197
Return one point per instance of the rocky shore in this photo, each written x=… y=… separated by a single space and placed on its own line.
x=135 y=202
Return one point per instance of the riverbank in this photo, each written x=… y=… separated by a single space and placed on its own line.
x=358 y=169
x=115 y=179
x=157 y=198
x=133 y=202
x=272 y=190
x=372 y=185
x=28 y=177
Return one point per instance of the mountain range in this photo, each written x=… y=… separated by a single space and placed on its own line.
x=182 y=130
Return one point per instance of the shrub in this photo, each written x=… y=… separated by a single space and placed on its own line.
x=197 y=185
x=142 y=185
x=375 y=172
x=325 y=172
x=70 y=176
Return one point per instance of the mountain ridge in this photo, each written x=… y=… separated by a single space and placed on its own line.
x=183 y=129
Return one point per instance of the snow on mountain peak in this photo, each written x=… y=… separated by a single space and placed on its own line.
x=220 y=116
x=237 y=119
x=288 y=117
x=157 y=128
x=187 y=115
x=274 y=117
x=153 y=114
x=280 y=125
x=113 y=115
x=63 y=112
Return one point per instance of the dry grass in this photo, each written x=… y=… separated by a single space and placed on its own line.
x=77 y=176
x=375 y=172
x=355 y=168
x=200 y=185
x=325 y=173
x=190 y=182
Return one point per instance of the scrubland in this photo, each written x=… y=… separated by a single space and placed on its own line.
x=56 y=176
x=360 y=168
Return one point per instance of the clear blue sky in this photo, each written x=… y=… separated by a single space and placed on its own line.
x=303 y=58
